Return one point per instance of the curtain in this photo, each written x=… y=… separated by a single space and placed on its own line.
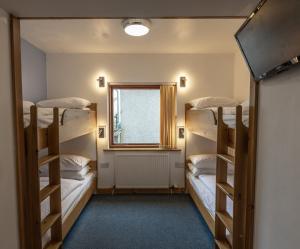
x=168 y=116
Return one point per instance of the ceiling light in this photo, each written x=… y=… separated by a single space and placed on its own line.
x=136 y=27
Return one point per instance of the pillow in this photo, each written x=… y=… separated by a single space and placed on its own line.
x=207 y=102
x=245 y=106
x=198 y=159
x=76 y=175
x=26 y=106
x=201 y=171
x=73 y=162
x=71 y=102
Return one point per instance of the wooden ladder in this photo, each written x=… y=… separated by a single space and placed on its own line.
x=53 y=220
x=234 y=225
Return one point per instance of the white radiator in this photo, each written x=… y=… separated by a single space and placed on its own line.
x=142 y=170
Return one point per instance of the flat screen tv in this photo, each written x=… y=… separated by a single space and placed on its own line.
x=270 y=37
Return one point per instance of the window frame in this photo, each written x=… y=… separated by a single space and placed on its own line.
x=113 y=86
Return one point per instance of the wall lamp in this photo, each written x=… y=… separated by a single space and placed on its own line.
x=101 y=81
x=182 y=81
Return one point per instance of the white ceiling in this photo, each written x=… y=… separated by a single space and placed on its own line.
x=128 y=8
x=108 y=36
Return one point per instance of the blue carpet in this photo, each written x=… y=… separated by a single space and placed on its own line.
x=140 y=222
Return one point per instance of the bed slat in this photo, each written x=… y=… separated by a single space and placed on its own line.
x=223 y=244
x=47 y=159
x=48 y=190
x=226 y=219
x=227 y=189
x=227 y=158
x=48 y=222
x=54 y=245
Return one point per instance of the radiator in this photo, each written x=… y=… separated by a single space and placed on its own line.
x=142 y=170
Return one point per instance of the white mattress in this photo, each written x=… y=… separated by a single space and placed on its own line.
x=71 y=193
x=45 y=116
x=205 y=188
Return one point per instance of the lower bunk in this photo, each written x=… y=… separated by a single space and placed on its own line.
x=202 y=190
x=75 y=194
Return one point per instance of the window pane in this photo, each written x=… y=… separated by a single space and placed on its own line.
x=136 y=116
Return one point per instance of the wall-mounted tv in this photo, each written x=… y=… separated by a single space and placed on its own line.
x=270 y=37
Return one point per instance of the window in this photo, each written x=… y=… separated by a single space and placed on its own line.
x=134 y=116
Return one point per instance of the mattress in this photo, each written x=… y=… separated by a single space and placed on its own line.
x=45 y=116
x=205 y=188
x=71 y=193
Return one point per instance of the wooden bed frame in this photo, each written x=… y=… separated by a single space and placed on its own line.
x=70 y=131
x=232 y=147
x=209 y=133
x=41 y=138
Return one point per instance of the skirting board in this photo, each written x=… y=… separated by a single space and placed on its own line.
x=111 y=191
x=198 y=202
x=72 y=217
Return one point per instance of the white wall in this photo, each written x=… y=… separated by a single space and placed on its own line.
x=9 y=238
x=277 y=202
x=33 y=72
x=75 y=75
x=241 y=78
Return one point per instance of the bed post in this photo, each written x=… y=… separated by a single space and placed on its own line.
x=34 y=214
x=187 y=108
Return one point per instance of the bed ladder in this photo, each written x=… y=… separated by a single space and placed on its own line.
x=53 y=221
x=230 y=230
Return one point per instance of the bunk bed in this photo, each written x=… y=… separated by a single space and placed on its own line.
x=55 y=203
x=220 y=196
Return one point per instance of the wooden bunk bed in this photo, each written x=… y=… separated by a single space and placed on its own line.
x=49 y=138
x=229 y=230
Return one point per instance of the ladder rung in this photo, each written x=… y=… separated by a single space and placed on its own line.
x=48 y=222
x=47 y=159
x=226 y=220
x=227 y=158
x=47 y=191
x=54 y=245
x=227 y=189
x=223 y=244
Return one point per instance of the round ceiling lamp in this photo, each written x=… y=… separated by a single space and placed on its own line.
x=136 y=27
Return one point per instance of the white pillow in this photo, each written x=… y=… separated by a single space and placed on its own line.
x=245 y=106
x=73 y=162
x=71 y=102
x=208 y=102
x=198 y=159
x=201 y=171
x=26 y=106
x=76 y=175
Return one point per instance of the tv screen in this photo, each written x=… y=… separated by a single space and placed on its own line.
x=270 y=38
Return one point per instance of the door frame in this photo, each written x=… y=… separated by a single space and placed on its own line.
x=15 y=36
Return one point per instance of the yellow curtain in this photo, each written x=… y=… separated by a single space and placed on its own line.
x=168 y=116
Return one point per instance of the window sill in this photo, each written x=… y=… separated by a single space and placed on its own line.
x=139 y=149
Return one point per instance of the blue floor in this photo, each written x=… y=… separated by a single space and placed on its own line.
x=140 y=222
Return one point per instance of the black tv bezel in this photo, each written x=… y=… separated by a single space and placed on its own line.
x=277 y=69
x=253 y=13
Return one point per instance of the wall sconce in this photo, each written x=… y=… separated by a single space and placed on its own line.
x=101 y=131
x=181 y=132
x=101 y=81
x=182 y=81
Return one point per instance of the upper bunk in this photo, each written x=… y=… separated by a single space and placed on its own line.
x=73 y=122
x=202 y=116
